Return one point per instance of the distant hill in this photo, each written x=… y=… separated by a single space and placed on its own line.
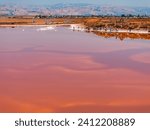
x=73 y=9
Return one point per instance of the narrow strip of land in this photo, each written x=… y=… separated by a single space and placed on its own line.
x=103 y=26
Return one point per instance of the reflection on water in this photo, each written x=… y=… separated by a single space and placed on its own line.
x=68 y=71
x=123 y=35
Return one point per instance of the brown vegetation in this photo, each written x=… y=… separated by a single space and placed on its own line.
x=90 y=22
x=122 y=36
x=119 y=23
x=94 y=23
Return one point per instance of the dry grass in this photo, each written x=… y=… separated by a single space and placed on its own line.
x=119 y=23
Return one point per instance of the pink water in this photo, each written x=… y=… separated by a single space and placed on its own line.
x=66 y=71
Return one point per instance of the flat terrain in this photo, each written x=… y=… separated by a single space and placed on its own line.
x=96 y=24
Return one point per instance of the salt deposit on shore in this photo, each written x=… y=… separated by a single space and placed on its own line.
x=77 y=27
x=125 y=31
x=46 y=28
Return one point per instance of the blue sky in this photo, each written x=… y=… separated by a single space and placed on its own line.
x=104 y=2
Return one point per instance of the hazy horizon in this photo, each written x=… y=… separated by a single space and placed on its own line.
x=133 y=3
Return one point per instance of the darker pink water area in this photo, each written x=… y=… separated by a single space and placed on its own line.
x=64 y=71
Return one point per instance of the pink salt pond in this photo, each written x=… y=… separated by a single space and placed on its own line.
x=60 y=70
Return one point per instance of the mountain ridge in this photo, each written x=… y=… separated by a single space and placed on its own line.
x=72 y=9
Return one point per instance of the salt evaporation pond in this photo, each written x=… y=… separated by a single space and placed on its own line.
x=60 y=70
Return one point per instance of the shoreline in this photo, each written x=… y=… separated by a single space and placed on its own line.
x=36 y=25
x=78 y=27
x=125 y=31
x=119 y=33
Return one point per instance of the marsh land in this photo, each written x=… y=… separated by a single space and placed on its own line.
x=119 y=27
